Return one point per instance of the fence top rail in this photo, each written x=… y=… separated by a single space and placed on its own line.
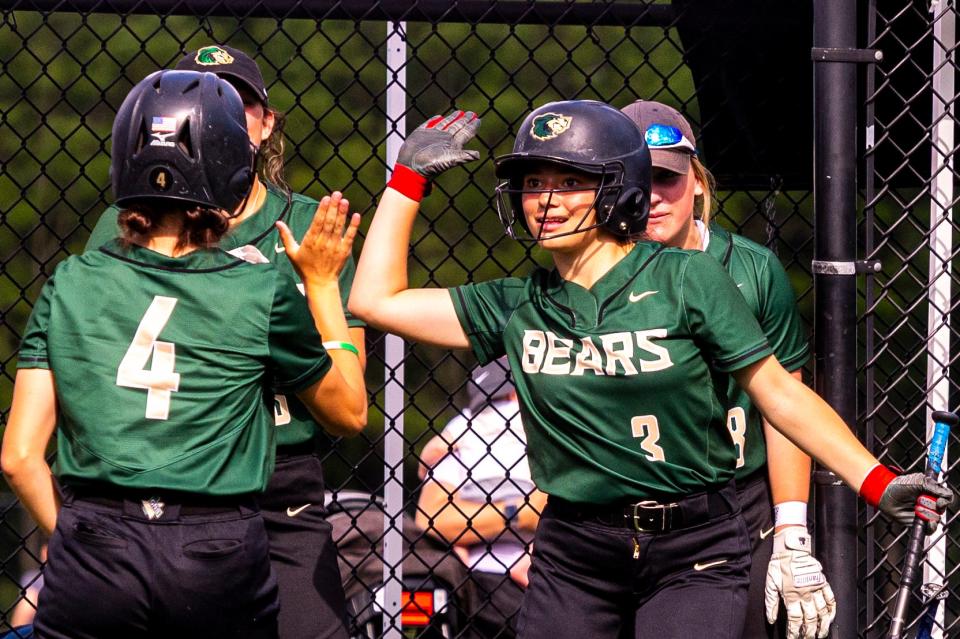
x=473 y=11
x=551 y=12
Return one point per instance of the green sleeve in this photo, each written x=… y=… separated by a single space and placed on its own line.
x=297 y=357
x=484 y=310
x=105 y=230
x=779 y=318
x=718 y=316
x=33 y=347
x=346 y=283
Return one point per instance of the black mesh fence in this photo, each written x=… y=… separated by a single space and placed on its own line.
x=909 y=365
x=741 y=74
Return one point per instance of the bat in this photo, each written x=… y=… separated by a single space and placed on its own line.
x=933 y=594
x=911 y=561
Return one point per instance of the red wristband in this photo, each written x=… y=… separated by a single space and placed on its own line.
x=876 y=482
x=408 y=182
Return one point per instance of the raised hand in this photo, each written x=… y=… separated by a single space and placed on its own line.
x=319 y=257
x=437 y=144
x=432 y=148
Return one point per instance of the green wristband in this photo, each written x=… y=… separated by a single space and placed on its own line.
x=341 y=346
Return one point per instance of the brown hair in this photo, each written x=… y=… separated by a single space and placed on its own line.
x=270 y=157
x=703 y=204
x=200 y=226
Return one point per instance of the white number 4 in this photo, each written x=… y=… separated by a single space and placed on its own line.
x=647 y=427
x=160 y=380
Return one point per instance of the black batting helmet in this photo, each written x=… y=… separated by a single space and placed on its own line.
x=182 y=135
x=588 y=136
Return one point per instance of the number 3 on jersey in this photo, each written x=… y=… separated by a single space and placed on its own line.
x=648 y=428
x=159 y=380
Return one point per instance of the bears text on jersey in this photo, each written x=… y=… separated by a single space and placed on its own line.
x=617 y=353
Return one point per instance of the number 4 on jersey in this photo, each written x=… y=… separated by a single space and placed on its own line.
x=159 y=380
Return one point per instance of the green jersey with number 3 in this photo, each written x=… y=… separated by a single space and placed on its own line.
x=163 y=366
x=764 y=284
x=623 y=386
x=258 y=231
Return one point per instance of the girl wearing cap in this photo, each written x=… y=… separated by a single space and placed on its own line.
x=149 y=357
x=302 y=550
x=774 y=495
x=618 y=353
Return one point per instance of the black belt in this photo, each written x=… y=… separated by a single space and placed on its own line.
x=154 y=504
x=651 y=516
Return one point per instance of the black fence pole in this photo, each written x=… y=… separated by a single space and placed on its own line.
x=835 y=193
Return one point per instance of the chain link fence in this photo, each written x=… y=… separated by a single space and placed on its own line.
x=909 y=365
x=742 y=75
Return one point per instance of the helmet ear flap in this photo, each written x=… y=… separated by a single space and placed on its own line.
x=240 y=183
x=633 y=208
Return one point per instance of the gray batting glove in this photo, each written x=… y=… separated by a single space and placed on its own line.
x=914 y=495
x=437 y=144
x=794 y=575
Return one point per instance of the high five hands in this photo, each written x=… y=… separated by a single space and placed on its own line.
x=432 y=148
x=319 y=257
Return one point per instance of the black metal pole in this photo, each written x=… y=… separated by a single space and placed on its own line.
x=835 y=198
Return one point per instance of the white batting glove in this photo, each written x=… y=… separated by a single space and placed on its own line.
x=796 y=576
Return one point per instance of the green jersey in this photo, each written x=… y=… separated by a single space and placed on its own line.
x=764 y=284
x=623 y=386
x=163 y=366
x=258 y=231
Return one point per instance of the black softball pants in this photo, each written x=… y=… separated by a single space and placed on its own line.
x=120 y=568
x=594 y=576
x=757 y=504
x=302 y=549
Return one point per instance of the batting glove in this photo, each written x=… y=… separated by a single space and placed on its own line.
x=432 y=148
x=797 y=577
x=912 y=495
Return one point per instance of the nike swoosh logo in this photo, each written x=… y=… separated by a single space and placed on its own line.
x=709 y=564
x=636 y=297
x=765 y=533
x=293 y=512
x=279 y=248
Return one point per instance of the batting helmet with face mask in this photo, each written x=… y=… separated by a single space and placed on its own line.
x=586 y=136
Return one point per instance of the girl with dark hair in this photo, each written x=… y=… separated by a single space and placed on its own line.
x=620 y=356
x=301 y=543
x=150 y=358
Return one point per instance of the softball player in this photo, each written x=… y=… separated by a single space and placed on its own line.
x=302 y=549
x=774 y=496
x=620 y=355
x=156 y=384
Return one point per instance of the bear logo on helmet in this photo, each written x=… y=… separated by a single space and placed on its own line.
x=549 y=125
x=212 y=55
